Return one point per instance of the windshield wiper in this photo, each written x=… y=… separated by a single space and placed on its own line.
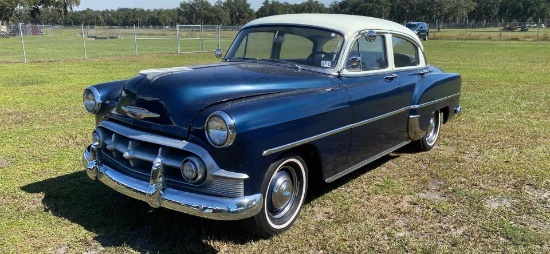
x=285 y=62
x=241 y=58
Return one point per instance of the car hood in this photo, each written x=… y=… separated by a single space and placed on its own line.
x=167 y=100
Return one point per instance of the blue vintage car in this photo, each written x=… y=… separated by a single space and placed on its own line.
x=295 y=96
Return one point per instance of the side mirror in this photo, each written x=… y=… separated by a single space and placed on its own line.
x=218 y=53
x=354 y=63
x=370 y=36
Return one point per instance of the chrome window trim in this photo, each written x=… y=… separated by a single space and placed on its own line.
x=350 y=126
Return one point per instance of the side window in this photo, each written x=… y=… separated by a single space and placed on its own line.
x=405 y=54
x=370 y=55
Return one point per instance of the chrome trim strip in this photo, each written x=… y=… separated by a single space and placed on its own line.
x=434 y=101
x=365 y=162
x=326 y=134
x=211 y=207
x=350 y=126
x=379 y=117
x=304 y=141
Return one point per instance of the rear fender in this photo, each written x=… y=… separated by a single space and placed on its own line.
x=433 y=92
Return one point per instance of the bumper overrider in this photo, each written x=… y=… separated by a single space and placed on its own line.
x=156 y=194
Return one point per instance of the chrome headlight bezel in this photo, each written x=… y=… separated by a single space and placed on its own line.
x=228 y=132
x=91 y=104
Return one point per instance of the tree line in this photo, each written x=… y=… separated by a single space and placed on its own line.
x=238 y=12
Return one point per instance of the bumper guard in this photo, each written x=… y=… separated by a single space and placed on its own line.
x=157 y=195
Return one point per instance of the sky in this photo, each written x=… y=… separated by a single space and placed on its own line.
x=161 y=4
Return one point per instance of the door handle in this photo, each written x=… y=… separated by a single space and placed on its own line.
x=391 y=77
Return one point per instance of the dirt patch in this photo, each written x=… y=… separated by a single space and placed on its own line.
x=498 y=202
x=432 y=195
x=4 y=163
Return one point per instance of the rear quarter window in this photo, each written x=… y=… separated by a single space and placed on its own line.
x=405 y=53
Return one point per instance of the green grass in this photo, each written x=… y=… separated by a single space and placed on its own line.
x=485 y=187
x=68 y=44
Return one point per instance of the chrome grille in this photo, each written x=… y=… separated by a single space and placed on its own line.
x=137 y=156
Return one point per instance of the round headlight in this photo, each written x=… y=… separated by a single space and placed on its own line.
x=220 y=129
x=193 y=170
x=91 y=100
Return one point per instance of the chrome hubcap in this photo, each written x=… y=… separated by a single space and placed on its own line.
x=282 y=193
x=433 y=129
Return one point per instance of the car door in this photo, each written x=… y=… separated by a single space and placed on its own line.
x=374 y=97
x=410 y=65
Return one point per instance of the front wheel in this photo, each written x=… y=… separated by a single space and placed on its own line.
x=427 y=142
x=284 y=189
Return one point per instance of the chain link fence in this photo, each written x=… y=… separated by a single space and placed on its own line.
x=36 y=43
x=495 y=31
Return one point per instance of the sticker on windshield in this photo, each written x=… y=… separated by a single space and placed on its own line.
x=326 y=64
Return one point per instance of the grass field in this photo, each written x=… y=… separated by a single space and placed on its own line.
x=67 y=44
x=484 y=188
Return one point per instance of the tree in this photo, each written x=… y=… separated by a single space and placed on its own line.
x=196 y=11
x=310 y=6
x=239 y=11
x=373 y=8
x=485 y=10
x=7 y=7
x=220 y=14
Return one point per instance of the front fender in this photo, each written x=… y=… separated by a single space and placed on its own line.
x=109 y=94
x=281 y=120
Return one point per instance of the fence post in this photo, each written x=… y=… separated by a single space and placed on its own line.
x=219 y=28
x=135 y=40
x=178 y=37
x=202 y=38
x=22 y=42
x=538 y=30
x=84 y=41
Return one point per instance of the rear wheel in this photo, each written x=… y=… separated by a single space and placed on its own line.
x=284 y=189
x=427 y=142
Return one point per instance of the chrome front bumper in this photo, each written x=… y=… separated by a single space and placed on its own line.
x=157 y=195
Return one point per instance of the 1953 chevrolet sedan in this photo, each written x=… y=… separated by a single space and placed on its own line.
x=294 y=95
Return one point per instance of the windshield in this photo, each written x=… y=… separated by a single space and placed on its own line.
x=302 y=46
x=412 y=25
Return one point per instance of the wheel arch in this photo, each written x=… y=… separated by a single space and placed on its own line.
x=312 y=157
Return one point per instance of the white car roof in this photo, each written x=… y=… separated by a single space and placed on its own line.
x=346 y=24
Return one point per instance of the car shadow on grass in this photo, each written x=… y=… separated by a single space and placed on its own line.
x=318 y=188
x=120 y=221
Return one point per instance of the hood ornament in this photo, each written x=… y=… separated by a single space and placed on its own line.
x=138 y=113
